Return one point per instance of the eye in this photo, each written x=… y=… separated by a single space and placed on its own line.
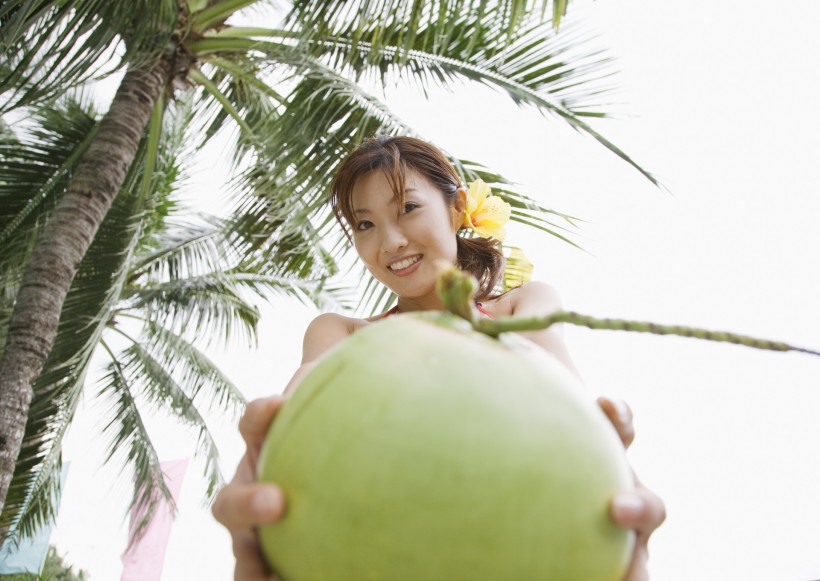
x=410 y=206
x=364 y=225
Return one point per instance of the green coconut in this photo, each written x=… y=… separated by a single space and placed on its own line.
x=419 y=449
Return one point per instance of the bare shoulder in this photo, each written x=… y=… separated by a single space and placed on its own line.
x=535 y=297
x=325 y=331
x=532 y=298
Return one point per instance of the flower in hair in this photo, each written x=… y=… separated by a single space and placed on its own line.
x=486 y=215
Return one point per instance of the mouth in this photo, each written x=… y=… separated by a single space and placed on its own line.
x=404 y=265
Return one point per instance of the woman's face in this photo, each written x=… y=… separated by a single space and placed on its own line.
x=400 y=246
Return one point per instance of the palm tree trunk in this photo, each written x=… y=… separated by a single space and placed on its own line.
x=55 y=260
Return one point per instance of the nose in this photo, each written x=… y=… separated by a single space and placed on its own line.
x=392 y=239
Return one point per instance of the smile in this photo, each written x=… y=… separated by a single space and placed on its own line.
x=404 y=263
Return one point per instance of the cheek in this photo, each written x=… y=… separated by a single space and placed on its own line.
x=368 y=251
x=450 y=247
x=361 y=247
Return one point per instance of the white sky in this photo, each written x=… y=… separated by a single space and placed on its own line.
x=725 y=114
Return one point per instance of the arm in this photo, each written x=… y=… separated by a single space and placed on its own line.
x=540 y=299
x=324 y=332
x=245 y=503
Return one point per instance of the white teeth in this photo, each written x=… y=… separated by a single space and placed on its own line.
x=401 y=264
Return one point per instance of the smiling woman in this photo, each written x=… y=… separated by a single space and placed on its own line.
x=404 y=204
x=411 y=166
x=401 y=246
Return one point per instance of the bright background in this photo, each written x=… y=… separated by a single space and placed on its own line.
x=723 y=109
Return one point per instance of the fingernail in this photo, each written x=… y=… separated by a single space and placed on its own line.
x=267 y=502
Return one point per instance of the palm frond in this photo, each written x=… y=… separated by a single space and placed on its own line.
x=129 y=441
x=431 y=24
x=52 y=45
x=234 y=96
x=151 y=378
x=169 y=172
x=34 y=171
x=210 y=303
x=327 y=116
x=562 y=75
x=193 y=370
x=215 y=13
x=181 y=250
x=310 y=292
x=37 y=509
x=517 y=270
x=215 y=306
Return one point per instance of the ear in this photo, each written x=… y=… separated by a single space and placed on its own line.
x=459 y=207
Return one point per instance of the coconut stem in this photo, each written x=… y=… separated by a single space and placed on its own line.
x=457 y=291
x=494 y=327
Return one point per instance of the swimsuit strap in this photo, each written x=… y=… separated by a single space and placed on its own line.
x=392 y=311
x=478 y=305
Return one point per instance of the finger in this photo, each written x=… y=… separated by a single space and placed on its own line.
x=643 y=511
x=637 y=567
x=620 y=414
x=250 y=565
x=639 y=509
x=245 y=505
x=255 y=422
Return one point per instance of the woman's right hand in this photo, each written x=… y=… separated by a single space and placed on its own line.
x=639 y=509
x=244 y=503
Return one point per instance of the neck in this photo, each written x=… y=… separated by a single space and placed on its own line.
x=407 y=305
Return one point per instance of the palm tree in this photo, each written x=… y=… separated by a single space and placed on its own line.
x=293 y=91
x=148 y=279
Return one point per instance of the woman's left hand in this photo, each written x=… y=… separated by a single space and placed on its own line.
x=639 y=509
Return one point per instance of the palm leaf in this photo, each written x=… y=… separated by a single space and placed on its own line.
x=183 y=249
x=430 y=23
x=130 y=444
x=201 y=378
x=517 y=270
x=562 y=75
x=150 y=377
x=34 y=171
x=211 y=304
x=50 y=46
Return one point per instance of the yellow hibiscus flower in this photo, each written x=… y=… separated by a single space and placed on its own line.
x=486 y=215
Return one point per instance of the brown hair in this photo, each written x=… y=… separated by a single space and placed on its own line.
x=481 y=257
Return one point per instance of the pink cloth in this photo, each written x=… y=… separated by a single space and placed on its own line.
x=143 y=559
